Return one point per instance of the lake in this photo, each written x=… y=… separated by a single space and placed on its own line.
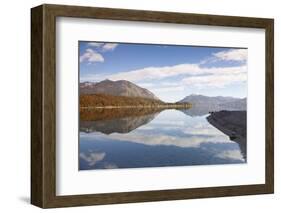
x=137 y=138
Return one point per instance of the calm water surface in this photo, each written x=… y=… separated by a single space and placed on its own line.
x=167 y=138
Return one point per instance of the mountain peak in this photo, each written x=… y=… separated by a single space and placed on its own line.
x=117 y=88
x=107 y=80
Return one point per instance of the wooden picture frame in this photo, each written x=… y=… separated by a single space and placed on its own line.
x=43 y=105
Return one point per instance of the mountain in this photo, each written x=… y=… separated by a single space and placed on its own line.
x=116 y=88
x=216 y=103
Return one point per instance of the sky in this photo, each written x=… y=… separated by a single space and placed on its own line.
x=171 y=72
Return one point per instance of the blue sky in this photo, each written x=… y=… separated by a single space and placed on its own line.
x=171 y=72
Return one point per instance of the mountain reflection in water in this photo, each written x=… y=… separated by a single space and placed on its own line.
x=114 y=120
x=152 y=137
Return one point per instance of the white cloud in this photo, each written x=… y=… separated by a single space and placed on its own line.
x=232 y=55
x=91 y=56
x=95 y=44
x=169 y=89
x=194 y=141
x=156 y=73
x=104 y=47
x=93 y=157
x=109 y=47
x=193 y=75
x=146 y=85
x=219 y=77
x=230 y=154
x=162 y=87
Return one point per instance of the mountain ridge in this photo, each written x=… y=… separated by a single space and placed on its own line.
x=116 y=88
x=216 y=102
x=107 y=90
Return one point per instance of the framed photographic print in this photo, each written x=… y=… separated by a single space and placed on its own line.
x=136 y=106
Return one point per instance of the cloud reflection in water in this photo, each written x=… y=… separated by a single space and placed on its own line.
x=169 y=138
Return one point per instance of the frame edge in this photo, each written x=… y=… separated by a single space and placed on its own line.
x=37 y=190
x=269 y=34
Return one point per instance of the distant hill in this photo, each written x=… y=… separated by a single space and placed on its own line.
x=216 y=103
x=116 y=88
